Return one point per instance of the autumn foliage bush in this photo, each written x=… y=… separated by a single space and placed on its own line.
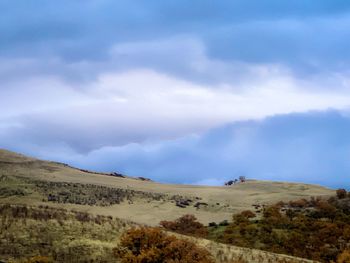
x=302 y=203
x=186 y=225
x=317 y=229
x=152 y=245
x=344 y=257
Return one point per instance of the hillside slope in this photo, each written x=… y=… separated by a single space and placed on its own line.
x=58 y=196
x=72 y=236
x=141 y=201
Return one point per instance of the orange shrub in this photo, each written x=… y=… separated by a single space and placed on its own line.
x=187 y=225
x=151 y=245
x=301 y=203
x=248 y=214
x=344 y=257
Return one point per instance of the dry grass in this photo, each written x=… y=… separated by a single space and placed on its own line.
x=63 y=236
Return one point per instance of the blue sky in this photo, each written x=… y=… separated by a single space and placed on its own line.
x=180 y=91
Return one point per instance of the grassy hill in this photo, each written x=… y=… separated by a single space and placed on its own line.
x=143 y=201
x=99 y=206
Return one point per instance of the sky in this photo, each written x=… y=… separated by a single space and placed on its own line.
x=195 y=92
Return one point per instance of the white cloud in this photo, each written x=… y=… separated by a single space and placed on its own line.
x=138 y=105
x=118 y=107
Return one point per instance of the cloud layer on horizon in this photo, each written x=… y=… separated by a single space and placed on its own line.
x=309 y=147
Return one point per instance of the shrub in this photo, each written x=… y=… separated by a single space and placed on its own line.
x=187 y=225
x=344 y=257
x=212 y=224
x=224 y=223
x=326 y=210
x=248 y=214
x=151 y=245
x=341 y=193
x=302 y=203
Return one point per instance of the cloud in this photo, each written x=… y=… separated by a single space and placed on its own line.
x=143 y=105
x=310 y=147
x=306 y=37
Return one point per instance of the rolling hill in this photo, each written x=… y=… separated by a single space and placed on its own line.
x=38 y=184
x=152 y=201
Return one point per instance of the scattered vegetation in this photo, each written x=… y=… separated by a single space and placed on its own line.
x=81 y=194
x=11 y=186
x=151 y=245
x=86 y=194
x=317 y=229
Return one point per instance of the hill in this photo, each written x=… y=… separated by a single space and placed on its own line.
x=47 y=204
x=55 y=184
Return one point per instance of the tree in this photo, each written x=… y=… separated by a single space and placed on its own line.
x=228 y=183
x=242 y=179
x=151 y=245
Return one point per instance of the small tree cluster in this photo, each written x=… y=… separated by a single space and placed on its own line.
x=240 y=179
x=187 y=225
x=151 y=245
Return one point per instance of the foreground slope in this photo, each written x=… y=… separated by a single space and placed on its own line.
x=55 y=184
x=72 y=236
x=50 y=208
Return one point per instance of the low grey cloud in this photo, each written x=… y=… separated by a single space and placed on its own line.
x=306 y=37
x=310 y=147
x=119 y=108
